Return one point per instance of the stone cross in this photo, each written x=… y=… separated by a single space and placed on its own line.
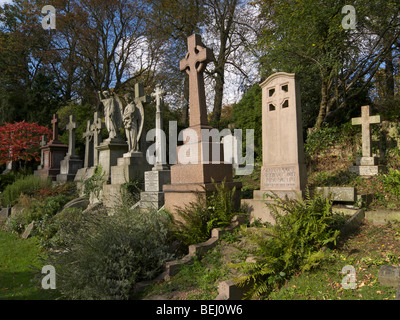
x=87 y=135
x=55 y=127
x=71 y=127
x=160 y=147
x=96 y=128
x=194 y=64
x=140 y=97
x=365 y=121
x=43 y=142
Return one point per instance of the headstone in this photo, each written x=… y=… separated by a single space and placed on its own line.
x=28 y=230
x=113 y=147
x=389 y=276
x=283 y=170
x=5 y=213
x=70 y=165
x=88 y=136
x=43 y=142
x=53 y=153
x=339 y=194
x=188 y=178
x=10 y=166
x=367 y=165
x=153 y=195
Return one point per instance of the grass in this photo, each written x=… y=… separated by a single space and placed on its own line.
x=366 y=250
x=17 y=257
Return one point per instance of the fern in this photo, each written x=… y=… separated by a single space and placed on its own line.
x=302 y=229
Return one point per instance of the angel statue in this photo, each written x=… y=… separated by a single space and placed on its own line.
x=133 y=122
x=112 y=113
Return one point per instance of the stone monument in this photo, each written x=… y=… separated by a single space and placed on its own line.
x=367 y=165
x=283 y=169
x=189 y=178
x=43 y=142
x=153 y=196
x=70 y=165
x=130 y=165
x=114 y=146
x=53 y=153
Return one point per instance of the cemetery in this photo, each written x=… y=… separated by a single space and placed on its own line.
x=132 y=187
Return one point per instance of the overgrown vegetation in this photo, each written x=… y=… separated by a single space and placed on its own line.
x=295 y=243
x=26 y=185
x=105 y=256
x=211 y=210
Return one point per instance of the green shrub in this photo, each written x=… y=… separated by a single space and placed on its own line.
x=25 y=185
x=94 y=184
x=214 y=210
x=296 y=242
x=107 y=255
x=391 y=182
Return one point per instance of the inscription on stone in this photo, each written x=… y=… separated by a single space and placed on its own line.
x=151 y=181
x=279 y=177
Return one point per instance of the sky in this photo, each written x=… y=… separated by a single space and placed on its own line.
x=4 y=1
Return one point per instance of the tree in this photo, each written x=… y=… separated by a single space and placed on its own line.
x=311 y=33
x=20 y=141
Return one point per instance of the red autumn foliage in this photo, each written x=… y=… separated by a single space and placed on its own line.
x=20 y=141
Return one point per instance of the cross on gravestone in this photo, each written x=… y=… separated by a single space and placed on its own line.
x=160 y=147
x=43 y=142
x=55 y=127
x=365 y=121
x=194 y=64
x=96 y=127
x=71 y=127
x=87 y=135
x=140 y=97
x=158 y=95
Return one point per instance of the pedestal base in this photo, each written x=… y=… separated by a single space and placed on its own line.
x=130 y=167
x=367 y=170
x=109 y=152
x=68 y=168
x=178 y=196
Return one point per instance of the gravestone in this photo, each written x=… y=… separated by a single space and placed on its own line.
x=153 y=195
x=283 y=170
x=10 y=166
x=389 y=276
x=131 y=165
x=43 y=142
x=53 y=153
x=70 y=165
x=188 y=178
x=367 y=165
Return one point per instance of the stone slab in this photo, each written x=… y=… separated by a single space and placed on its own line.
x=367 y=170
x=389 y=276
x=380 y=217
x=129 y=168
x=341 y=194
x=154 y=180
x=28 y=230
x=367 y=161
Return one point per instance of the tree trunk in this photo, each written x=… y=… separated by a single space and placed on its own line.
x=322 y=106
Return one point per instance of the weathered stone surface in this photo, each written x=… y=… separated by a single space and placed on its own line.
x=5 y=213
x=28 y=230
x=81 y=203
x=367 y=165
x=389 y=276
x=342 y=194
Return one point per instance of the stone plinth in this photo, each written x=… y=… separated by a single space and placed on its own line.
x=129 y=167
x=69 y=167
x=109 y=153
x=153 y=196
x=53 y=154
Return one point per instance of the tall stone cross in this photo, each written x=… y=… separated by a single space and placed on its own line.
x=55 y=127
x=87 y=135
x=43 y=142
x=365 y=121
x=160 y=146
x=96 y=128
x=194 y=64
x=71 y=127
